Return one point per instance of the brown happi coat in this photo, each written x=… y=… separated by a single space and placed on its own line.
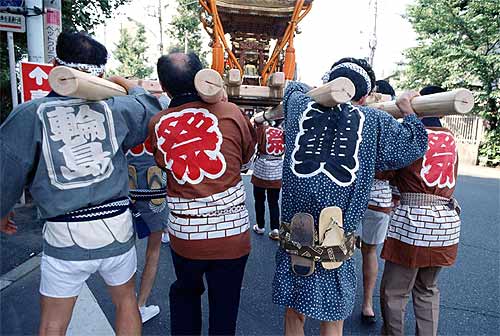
x=202 y=147
x=426 y=236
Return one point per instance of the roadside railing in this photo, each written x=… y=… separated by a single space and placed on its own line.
x=468 y=129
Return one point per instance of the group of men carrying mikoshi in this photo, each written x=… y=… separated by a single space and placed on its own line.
x=82 y=160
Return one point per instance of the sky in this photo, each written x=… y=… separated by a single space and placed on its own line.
x=332 y=30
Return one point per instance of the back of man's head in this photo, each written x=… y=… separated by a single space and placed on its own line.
x=431 y=89
x=384 y=87
x=80 y=48
x=431 y=121
x=176 y=72
x=358 y=71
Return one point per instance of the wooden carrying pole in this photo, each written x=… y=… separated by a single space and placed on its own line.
x=74 y=83
x=338 y=91
x=209 y=85
x=459 y=101
x=375 y=97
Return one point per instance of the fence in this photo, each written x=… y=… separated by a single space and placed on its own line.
x=469 y=133
x=467 y=129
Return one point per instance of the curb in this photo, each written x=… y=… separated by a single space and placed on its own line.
x=20 y=271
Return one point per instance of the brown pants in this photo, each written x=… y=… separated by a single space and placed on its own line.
x=397 y=283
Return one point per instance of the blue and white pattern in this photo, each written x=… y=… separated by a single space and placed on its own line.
x=384 y=144
x=351 y=66
x=328 y=143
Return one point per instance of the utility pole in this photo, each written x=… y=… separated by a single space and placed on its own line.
x=373 y=40
x=35 y=31
x=52 y=26
x=160 y=21
x=12 y=68
x=185 y=41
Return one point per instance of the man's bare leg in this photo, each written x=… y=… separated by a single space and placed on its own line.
x=128 y=321
x=294 y=323
x=331 y=328
x=370 y=270
x=150 y=267
x=55 y=315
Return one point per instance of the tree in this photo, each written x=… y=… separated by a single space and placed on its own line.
x=77 y=15
x=185 y=28
x=130 y=53
x=459 y=46
x=86 y=15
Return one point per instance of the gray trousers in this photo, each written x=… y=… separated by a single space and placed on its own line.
x=397 y=283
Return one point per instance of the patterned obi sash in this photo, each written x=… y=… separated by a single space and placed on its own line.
x=107 y=209
x=147 y=194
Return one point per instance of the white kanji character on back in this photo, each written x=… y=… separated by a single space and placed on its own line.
x=82 y=157
x=83 y=160
x=90 y=123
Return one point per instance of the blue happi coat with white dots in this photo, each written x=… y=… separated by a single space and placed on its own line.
x=330 y=160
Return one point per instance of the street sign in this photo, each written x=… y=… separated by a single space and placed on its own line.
x=53 y=26
x=12 y=22
x=35 y=80
x=11 y=3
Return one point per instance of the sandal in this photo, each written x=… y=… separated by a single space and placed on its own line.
x=302 y=232
x=132 y=179
x=155 y=182
x=331 y=232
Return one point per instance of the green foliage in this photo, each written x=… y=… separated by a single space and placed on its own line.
x=130 y=53
x=491 y=148
x=187 y=23
x=459 y=46
x=86 y=15
x=20 y=49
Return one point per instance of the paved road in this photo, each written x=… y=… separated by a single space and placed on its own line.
x=470 y=291
x=16 y=249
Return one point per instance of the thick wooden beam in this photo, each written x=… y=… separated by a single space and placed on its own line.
x=209 y=85
x=338 y=91
x=73 y=83
x=375 y=97
x=459 y=101
x=149 y=85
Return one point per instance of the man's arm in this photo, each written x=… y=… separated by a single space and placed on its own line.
x=18 y=150
x=137 y=109
x=401 y=143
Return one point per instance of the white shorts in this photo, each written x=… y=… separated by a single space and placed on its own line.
x=65 y=278
x=374 y=227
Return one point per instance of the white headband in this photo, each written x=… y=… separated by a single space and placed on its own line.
x=354 y=67
x=93 y=69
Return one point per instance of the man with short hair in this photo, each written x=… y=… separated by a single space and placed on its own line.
x=202 y=147
x=331 y=155
x=71 y=154
x=423 y=233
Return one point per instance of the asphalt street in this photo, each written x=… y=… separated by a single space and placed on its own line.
x=470 y=290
